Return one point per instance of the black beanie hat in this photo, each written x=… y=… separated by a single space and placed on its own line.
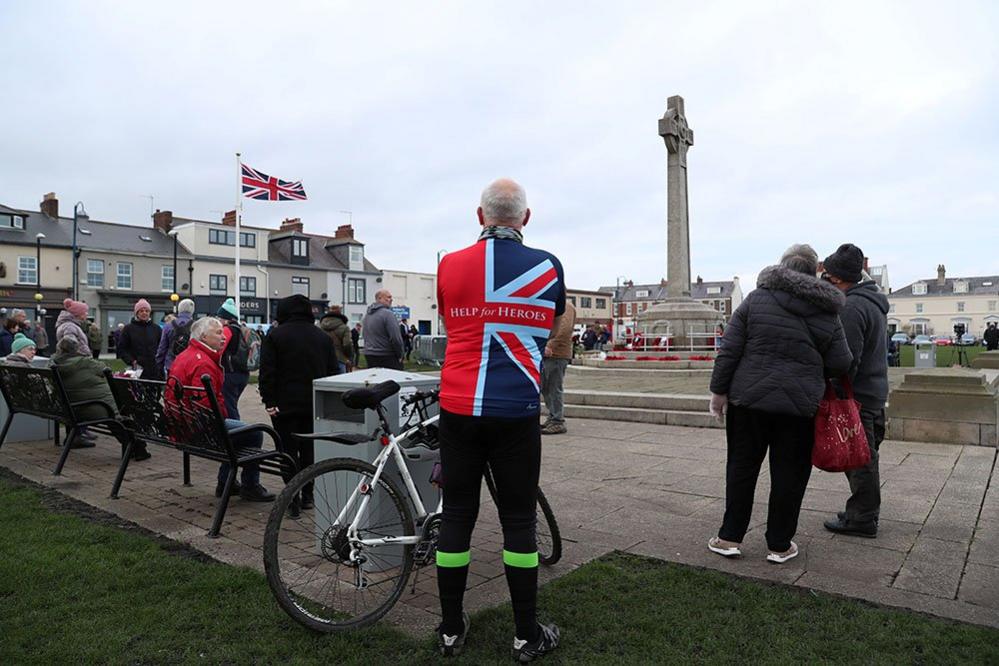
x=846 y=263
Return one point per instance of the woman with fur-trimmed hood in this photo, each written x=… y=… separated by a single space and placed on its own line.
x=782 y=342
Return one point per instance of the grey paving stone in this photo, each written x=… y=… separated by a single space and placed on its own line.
x=980 y=585
x=951 y=521
x=933 y=567
x=985 y=543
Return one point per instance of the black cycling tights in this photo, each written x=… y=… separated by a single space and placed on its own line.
x=512 y=447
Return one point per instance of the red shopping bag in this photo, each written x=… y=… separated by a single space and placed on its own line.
x=840 y=440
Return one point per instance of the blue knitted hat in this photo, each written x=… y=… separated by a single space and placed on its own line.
x=21 y=341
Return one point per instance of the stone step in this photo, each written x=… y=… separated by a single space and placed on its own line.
x=594 y=372
x=637 y=415
x=657 y=401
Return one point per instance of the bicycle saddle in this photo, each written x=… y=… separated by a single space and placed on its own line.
x=371 y=397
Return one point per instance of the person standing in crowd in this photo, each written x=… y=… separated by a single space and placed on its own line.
x=7 y=333
x=23 y=325
x=489 y=409
x=558 y=355
x=769 y=375
x=589 y=338
x=383 y=345
x=991 y=337
x=139 y=341
x=22 y=350
x=94 y=339
x=355 y=339
x=865 y=323
x=334 y=324
x=407 y=340
x=203 y=356
x=41 y=336
x=291 y=357
x=175 y=336
x=236 y=374
x=70 y=323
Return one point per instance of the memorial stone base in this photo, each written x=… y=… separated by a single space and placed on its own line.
x=691 y=324
x=947 y=405
x=986 y=360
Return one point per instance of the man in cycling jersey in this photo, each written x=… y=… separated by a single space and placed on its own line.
x=499 y=299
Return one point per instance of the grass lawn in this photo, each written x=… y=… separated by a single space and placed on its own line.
x=76 y=591
x=946 y=356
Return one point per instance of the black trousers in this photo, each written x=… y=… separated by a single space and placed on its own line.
x=750 y=434
x=864 y=504
x=389 y=362
x=512 y=448
x=302 y=450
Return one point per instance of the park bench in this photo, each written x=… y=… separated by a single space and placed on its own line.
x=189 y=426
x=39 y=391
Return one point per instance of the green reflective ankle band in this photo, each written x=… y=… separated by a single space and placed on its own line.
x=521 y=560
x=453 y=559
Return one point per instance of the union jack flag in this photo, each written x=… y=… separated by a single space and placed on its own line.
x=258 y=185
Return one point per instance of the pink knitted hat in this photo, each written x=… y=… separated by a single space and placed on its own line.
x=78 y=309
x=139 y=304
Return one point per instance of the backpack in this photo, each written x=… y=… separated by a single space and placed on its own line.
x=246 y=357
x=181 y=338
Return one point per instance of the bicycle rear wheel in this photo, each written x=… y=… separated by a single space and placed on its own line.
x=308 y=558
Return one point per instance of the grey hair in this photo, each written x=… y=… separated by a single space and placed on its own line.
x=504 y=201
x=186 y=305
x=201 y=326
x=17 y=311
x=801 y=258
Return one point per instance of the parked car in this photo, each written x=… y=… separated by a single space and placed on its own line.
x=969 y=339
x=900 y=339
x=942 y=340
x=921 y=339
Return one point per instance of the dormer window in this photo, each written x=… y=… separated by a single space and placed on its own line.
x=642 y=293
x=919 y=288
x=11 y=222
x=299 y=247
x=356 y=254
x=960 y=287
x=714 y=290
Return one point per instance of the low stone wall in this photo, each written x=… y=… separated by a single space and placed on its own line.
x=949 y=405
x=645 y=365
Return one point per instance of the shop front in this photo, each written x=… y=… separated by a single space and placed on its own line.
x=23 y=297
x=117 y=307
x=252 y=310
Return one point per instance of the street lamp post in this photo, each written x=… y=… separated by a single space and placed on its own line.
x=38 y=275
x=617 y=303
x=173 y=296
x=78 y=212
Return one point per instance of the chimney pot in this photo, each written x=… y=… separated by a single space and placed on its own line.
x=292 y=224
x=344 y=231
x=941 y=275
x=229 y=218
x=50 y=205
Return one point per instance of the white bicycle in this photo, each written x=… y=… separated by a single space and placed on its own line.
x=345 y=562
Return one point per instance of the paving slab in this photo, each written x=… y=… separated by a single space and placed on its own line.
x=657 y=490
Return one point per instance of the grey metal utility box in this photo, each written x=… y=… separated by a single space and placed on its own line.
x=926 y=355
x=332 y=415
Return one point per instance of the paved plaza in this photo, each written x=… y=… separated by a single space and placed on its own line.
x=645 y=489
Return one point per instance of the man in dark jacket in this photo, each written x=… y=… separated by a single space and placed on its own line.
x=236 y=377
x=291 y=356
x=991 y=337
x=139 y=340
x=383 y=346
x=865 y=322
x=768 y=379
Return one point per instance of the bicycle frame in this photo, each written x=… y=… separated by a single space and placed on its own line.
x=391 y=450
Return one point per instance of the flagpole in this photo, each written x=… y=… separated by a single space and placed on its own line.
x=239 y=214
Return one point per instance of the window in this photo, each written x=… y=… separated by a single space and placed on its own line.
x=11 y=222
x=629 y=308
x=247 y=286
x=221 y=237
x=919 y=288
x=356 y=254
x=95 y=273
x=124 y=275
x=299 y=247
x=166 y=278
x=919 y=308
x=601 y=302
x=960 y=306
x=714 y=290
x=891 y=307
x=960 y=287
x=992 y=305
x=642 y=293
x=356 y=291
x=218 y=285
x=300 y=285
x=585 y=302
x=876 y=271
x=571 y=299
x=27 y=270
x=246 y=239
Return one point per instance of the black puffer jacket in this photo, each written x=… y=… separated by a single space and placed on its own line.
x=781 y=343
x=138 y=343
x=292 y=355
x=865 y=323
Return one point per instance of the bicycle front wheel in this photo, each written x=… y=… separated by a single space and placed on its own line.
x=322 y=577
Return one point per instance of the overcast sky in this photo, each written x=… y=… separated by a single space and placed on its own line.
x=869 y=122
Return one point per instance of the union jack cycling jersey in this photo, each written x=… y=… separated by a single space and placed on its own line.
x=499 y=300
